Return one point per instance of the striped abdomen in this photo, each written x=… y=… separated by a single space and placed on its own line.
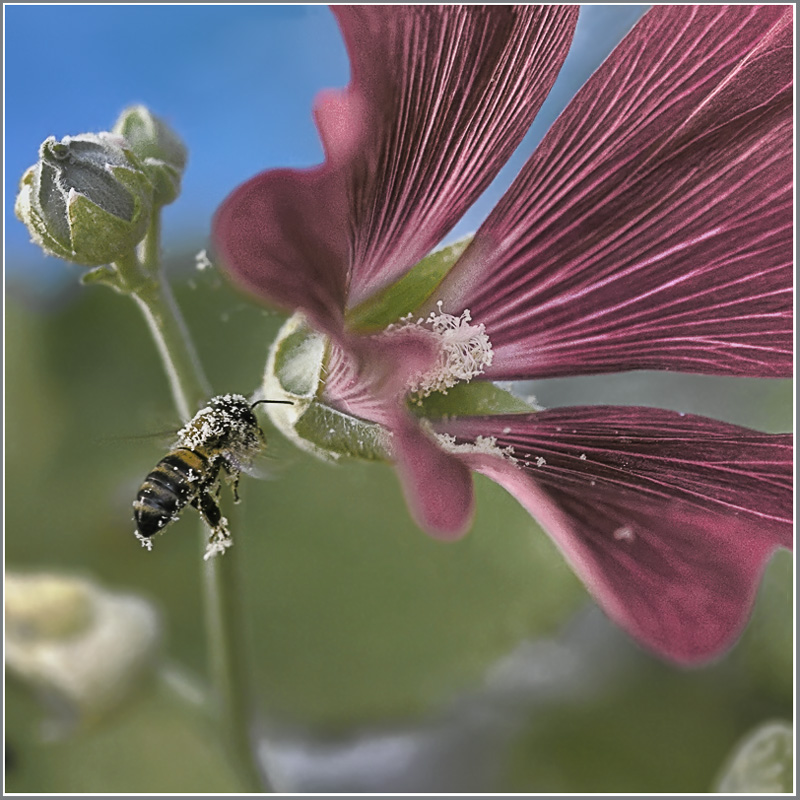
x=175 y=481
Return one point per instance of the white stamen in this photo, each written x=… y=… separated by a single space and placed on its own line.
x=465 y=351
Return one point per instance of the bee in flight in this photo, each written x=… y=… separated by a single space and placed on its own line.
x=225 y=435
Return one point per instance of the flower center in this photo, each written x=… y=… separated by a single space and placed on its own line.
x=464 y=351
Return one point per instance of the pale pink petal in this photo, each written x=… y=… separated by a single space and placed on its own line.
x=652 y=228
x=439 y=98
x=367 y=379
x=281 y=236
x=367 y=376
x=436 y=484
x=668 y=520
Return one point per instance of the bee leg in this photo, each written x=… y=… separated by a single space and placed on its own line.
x=233 y=481
x=210 y=511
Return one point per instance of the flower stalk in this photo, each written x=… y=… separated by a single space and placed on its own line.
x=96 y=200
x=231 y=695
x=189 y=385
x=227 y=665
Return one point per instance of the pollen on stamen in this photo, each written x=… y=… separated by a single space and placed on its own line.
x=483 y=445
x=464 y=353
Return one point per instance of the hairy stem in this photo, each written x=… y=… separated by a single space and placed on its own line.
x=189 y=386
x=222 y=601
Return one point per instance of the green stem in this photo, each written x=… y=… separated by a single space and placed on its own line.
x=231 y=678
x=190 y=388
x=222 y=602
x=150 y=248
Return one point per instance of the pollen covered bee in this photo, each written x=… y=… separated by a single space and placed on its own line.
x=225 y=435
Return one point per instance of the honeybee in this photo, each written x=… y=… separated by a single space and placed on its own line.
x=225 y=435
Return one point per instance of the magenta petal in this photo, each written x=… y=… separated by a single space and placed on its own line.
x=662 y=455
x=439 y=98
x=667 y=519
x=437 y=485
x=681 y=581
x=652 y=228
x=282 y=236
x=368 y=379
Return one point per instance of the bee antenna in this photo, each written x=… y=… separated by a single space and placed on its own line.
x=257 y=402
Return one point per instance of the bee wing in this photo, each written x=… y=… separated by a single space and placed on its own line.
x=164 y=439
x=263 y=467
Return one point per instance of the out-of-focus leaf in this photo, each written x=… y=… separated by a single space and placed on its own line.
x=358 y=615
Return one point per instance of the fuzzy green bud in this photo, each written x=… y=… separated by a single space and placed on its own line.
x=88 y=199
x=158 y=147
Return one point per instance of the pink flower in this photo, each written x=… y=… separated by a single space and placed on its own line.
x=651 y=229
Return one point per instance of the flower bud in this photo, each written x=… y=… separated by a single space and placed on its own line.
x=158 y=147
x=83 y=648
x=88 y=199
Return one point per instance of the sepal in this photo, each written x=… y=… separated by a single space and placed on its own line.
x=295 y=371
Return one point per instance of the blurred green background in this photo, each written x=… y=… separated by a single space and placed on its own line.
x=382 y=660
x=359 y=626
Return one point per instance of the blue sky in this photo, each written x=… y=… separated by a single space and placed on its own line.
x=236 y=82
